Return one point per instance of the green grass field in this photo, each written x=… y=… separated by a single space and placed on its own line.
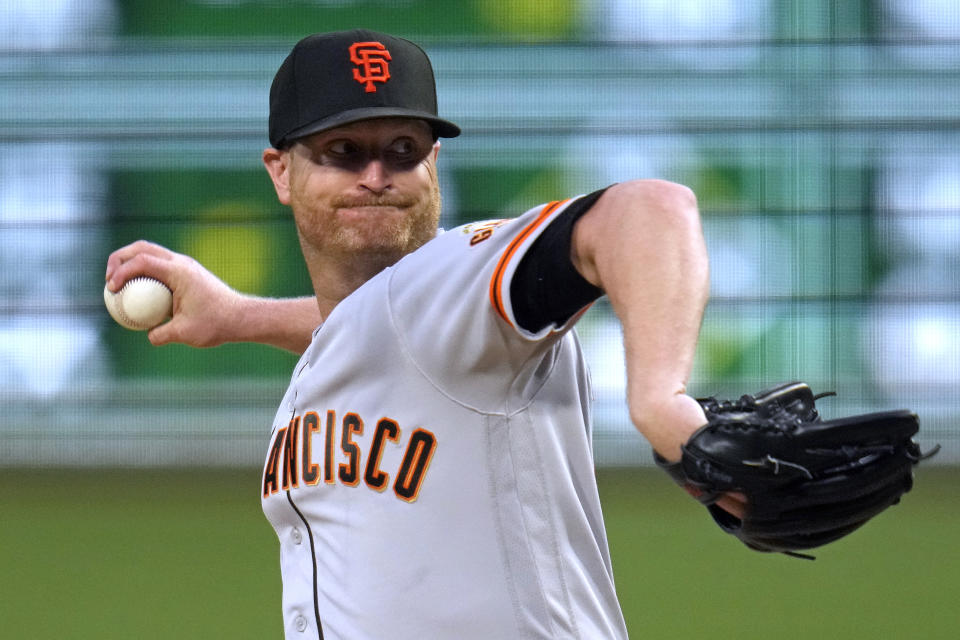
x=153 y=554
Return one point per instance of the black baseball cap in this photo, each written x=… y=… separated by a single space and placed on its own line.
x=333 y=79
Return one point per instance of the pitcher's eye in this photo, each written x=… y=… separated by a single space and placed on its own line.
x=405 y=153
x=342 y=148
x=344 y=154
x=401 y=146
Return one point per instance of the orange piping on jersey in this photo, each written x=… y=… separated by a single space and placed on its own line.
x=496 y=299
x=579 y=314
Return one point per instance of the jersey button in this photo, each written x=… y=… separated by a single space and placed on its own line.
x=296 y=536
x=300 y=623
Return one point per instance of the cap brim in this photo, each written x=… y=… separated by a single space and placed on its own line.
x=442 y=128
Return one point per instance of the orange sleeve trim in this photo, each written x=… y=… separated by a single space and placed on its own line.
x=496 y=282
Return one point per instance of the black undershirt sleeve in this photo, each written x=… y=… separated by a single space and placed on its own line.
x=546 y=288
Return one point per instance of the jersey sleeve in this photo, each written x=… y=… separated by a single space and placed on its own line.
x=454 y=309
x=546 y=290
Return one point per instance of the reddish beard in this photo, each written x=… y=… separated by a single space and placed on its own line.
x=387 y=235
x=372 y=200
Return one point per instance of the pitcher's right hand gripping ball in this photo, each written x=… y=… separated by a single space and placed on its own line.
x=807 y=481
x=141 y=304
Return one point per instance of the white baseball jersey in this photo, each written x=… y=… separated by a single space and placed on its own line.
x=430 y=471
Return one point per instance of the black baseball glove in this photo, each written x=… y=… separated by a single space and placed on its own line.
x=807 y=481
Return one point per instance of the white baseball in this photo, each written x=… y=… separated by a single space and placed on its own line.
x=141 y=304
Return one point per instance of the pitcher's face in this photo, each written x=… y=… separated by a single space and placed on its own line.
x=369 y=186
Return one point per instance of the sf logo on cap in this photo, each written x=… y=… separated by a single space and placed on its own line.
x=371 y=60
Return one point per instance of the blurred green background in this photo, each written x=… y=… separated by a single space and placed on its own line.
x=168 y=554
x=822 y=139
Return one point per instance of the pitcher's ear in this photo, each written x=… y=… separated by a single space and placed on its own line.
x=277 y=164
